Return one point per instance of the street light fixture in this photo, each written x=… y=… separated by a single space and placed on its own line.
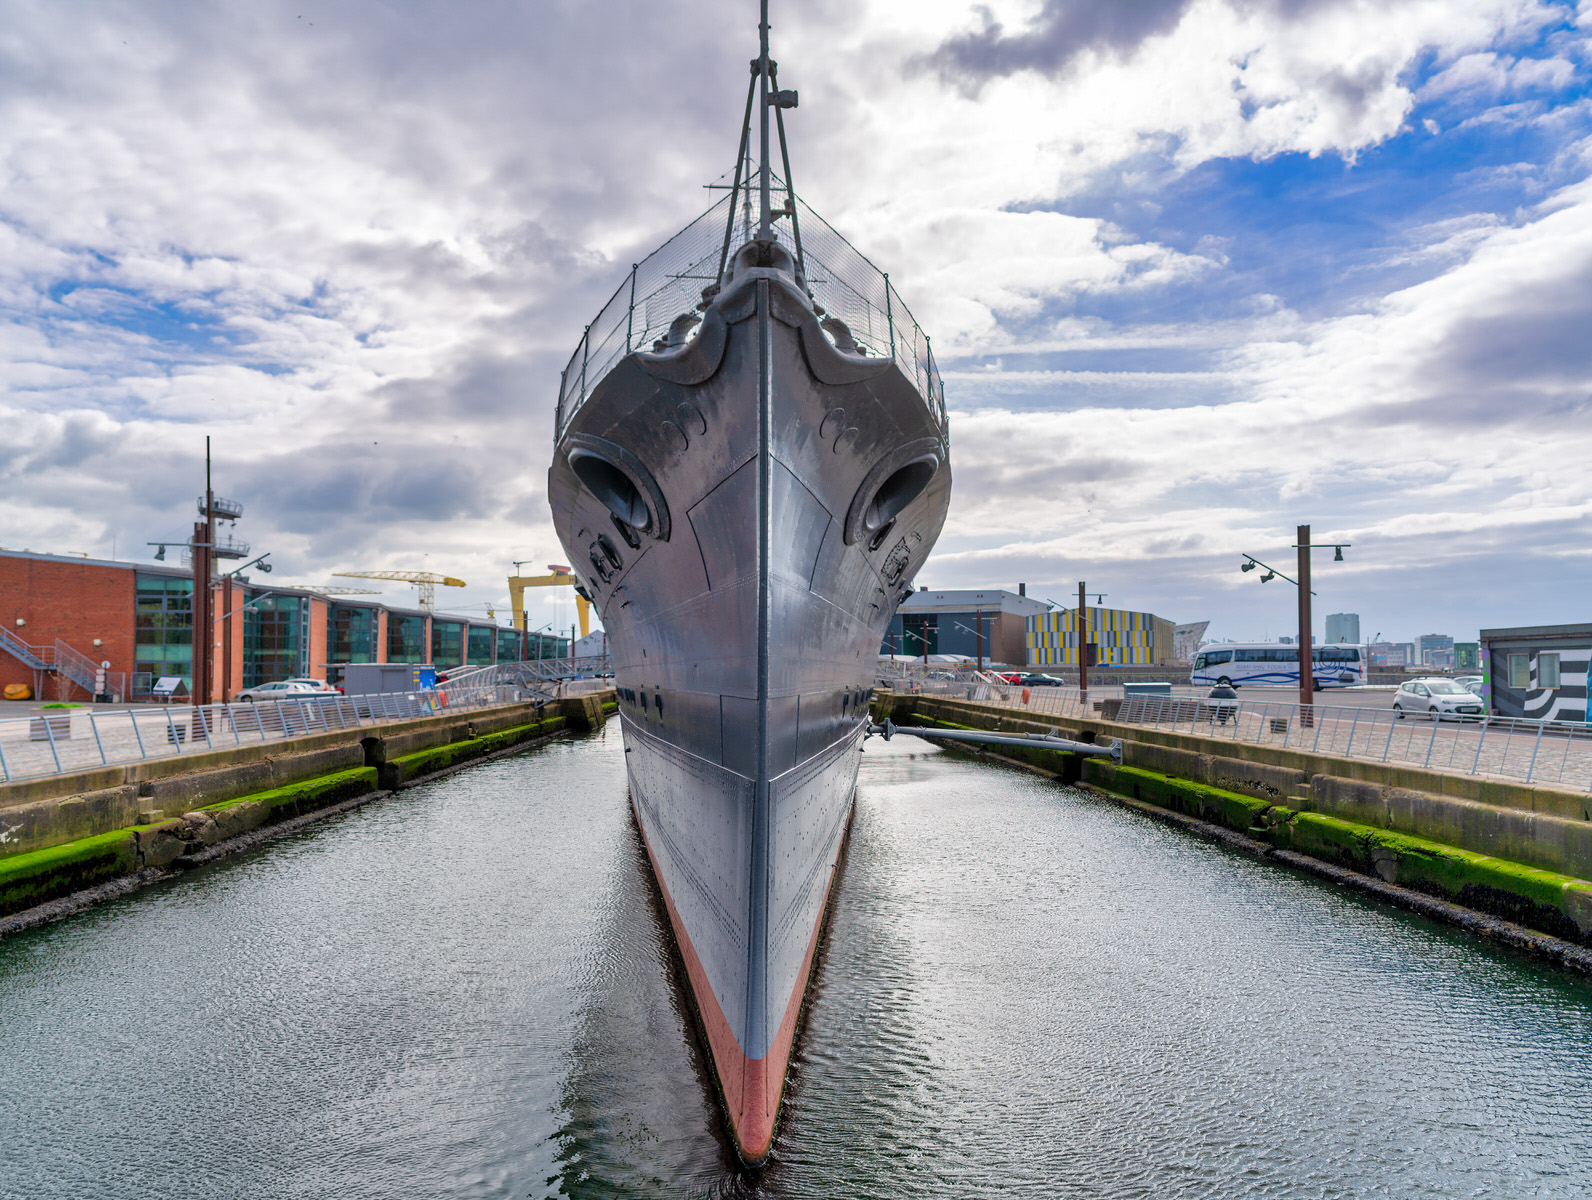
x=1306 y=652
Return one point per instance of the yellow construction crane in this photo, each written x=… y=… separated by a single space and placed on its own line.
x=561 y=577
x=425 y=581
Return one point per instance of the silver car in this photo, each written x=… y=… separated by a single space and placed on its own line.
x=1440 y=699
x=282 y=689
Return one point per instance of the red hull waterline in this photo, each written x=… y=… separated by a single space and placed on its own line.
x=751 y=1088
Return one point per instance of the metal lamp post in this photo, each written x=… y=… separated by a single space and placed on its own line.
x=1306 y=649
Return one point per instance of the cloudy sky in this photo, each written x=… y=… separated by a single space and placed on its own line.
x=1196 y=272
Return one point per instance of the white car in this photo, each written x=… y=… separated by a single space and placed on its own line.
x=1439 y=699
x=284 y=689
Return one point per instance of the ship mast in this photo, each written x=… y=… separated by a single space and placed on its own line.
x=765 y=224
x=765 y=92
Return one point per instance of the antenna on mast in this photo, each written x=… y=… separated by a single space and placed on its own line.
x=765 y=224
x=763 y=89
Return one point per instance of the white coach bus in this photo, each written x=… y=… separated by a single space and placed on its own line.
x=1277 y=664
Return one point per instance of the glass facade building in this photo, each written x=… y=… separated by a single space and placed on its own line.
x=406 y=638
x=162 y=629
x=275 y=637
x=350 y=633
x=510 y=645
x=447 y=644
x=480 y=645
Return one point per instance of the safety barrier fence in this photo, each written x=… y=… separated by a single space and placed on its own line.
x=1547 y=752
x=55 y=741
x=668 y=284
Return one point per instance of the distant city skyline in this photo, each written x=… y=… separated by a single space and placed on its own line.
x=1195 y=273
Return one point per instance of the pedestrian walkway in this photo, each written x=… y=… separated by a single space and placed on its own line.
x=1553 y=753
x=58 y=741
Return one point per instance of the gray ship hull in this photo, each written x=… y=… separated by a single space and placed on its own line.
x=746 y=508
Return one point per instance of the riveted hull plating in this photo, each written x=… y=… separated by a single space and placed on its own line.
x=744 y=622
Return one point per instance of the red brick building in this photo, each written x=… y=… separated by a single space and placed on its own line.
x=77 y=613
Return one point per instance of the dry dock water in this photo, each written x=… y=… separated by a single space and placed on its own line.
x=465 y=990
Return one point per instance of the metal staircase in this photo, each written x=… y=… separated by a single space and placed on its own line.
x=39 y=658
x=61 y=659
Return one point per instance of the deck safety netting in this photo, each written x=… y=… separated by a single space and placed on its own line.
x=669 y=282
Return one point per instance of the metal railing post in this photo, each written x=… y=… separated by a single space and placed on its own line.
x=171 y=730
x=259 y=723
x=1321 y=715
x=5 y=769
x=889 y=316
x=1348 y=751
x=1535 y=746
x=1475 y=763
x=138 y=736
x=93 y=726
x=585 y=353
x=49 y=732
x=630 y=319
x=1392 y=723
x=232 y=720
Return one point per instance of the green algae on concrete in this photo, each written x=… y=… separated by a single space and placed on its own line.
x=1548 y=901
x=407 y=767
x=39 y=876
x=295 y=799
x=43 y=875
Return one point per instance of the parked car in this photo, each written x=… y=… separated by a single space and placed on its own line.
x=319 y=685
x=1032 y=681
x=284 y=689
x=1471 y=683
x=1010 y=676
x=1437 y=698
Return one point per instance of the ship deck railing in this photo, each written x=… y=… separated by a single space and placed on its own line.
x=670 y=281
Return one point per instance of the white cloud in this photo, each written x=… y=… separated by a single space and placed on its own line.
x=359 y=254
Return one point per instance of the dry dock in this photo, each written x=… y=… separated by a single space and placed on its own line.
x=67 y=841
x=1512 y=861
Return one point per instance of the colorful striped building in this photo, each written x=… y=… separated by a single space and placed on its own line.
x=1122 y=638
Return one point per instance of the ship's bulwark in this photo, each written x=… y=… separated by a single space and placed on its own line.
x=743 y=750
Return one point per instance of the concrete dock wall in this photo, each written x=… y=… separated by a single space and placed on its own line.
x=56 y=846
x=38 y=813
x=1523 y=853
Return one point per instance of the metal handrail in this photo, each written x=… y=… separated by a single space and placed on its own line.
x=670 y=282
x=51 y=741
x=1515 y=748
x=40 y=658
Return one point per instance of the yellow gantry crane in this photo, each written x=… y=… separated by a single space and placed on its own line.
x=561 y=577
x=425 y=581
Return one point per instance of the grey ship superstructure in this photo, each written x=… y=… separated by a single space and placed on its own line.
x=751 y=464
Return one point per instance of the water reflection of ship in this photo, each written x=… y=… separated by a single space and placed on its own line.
x=751 y=464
